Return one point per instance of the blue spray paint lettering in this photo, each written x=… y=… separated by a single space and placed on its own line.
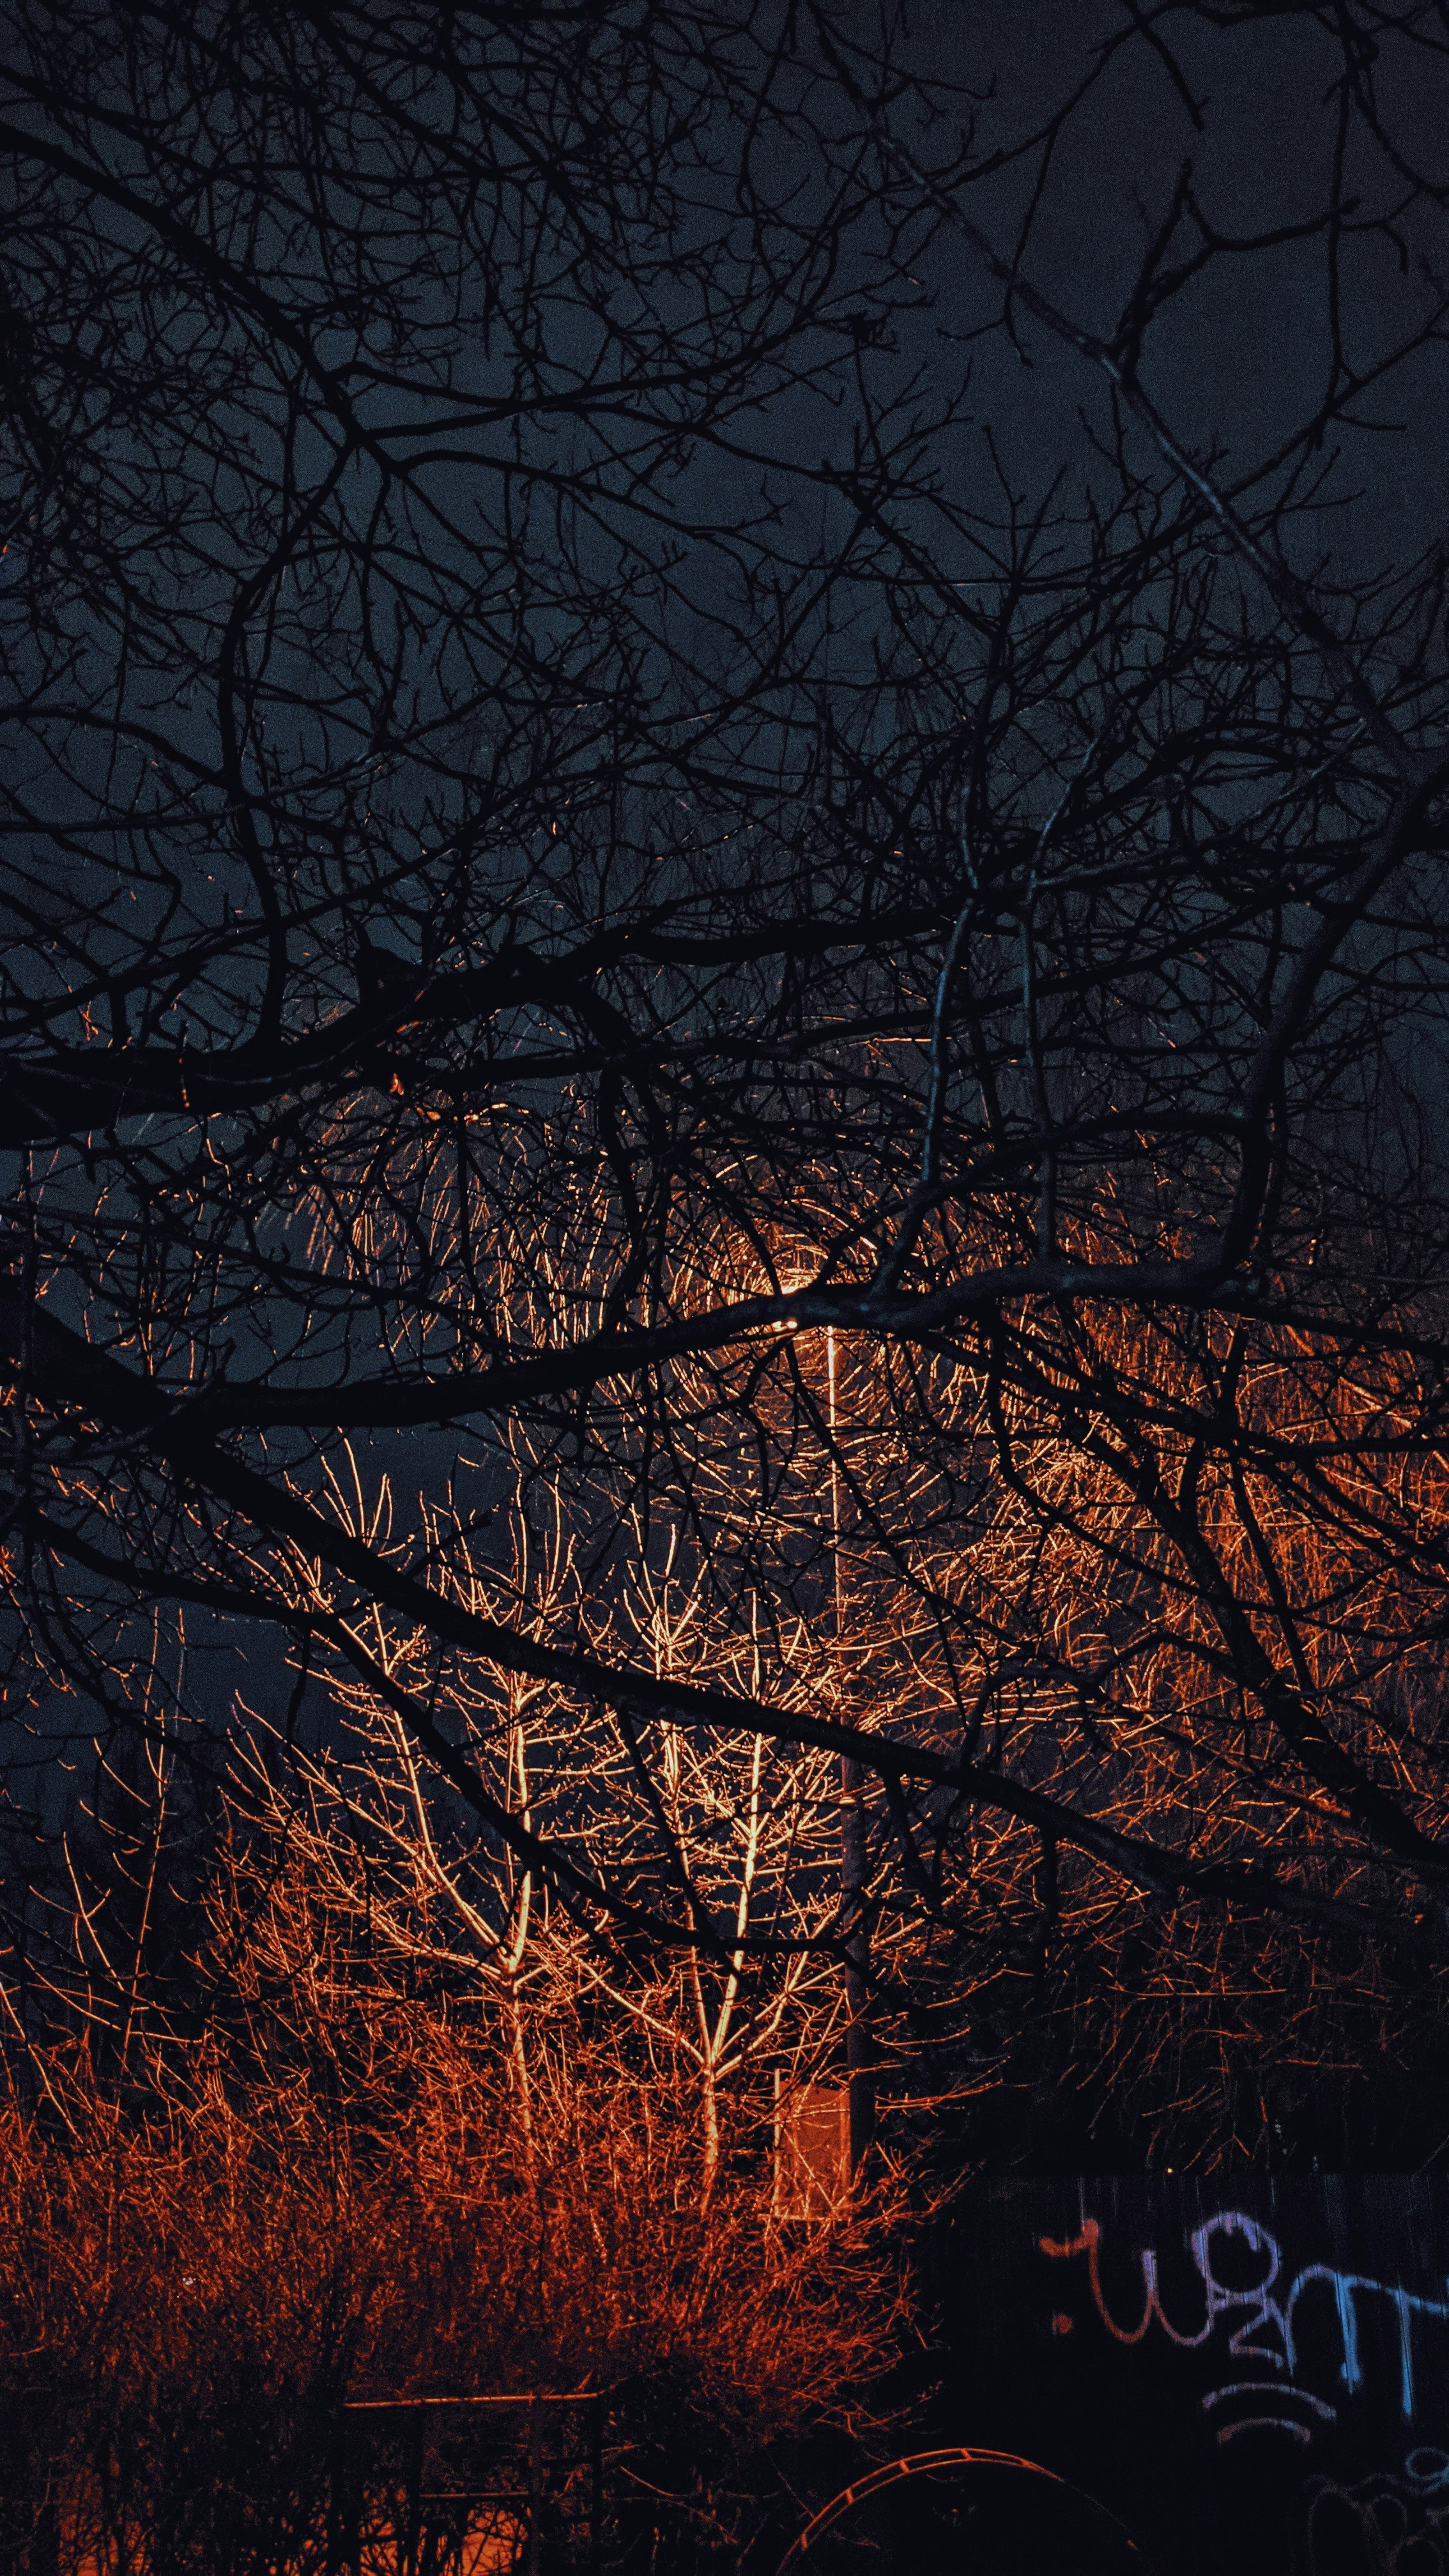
x=1268 y=2328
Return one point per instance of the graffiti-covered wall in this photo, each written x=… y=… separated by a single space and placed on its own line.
x=1255 y=2378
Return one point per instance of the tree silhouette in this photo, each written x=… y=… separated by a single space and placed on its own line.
x=589 y=821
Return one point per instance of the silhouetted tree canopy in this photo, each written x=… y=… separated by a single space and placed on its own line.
x=725 y=808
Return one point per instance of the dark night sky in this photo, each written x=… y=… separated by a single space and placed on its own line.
x=1242 y=354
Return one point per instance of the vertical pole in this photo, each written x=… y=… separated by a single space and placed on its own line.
x=413 y=2452
x=356 y=2507
x=335 y=2505
x=535 y=2483
x=596 y=2486
x=345 y=2537
x=859 y=2078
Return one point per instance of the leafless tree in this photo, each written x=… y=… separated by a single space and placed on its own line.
x=588 y=858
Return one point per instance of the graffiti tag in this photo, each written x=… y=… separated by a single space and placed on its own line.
x=1276 y=2321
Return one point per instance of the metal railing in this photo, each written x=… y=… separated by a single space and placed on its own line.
x=468 y=2486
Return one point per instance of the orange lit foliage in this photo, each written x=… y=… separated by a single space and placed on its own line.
x=1182 y=1576
x=1177 y=1576
x=1200 y=1550
x=329 y=2193
x=1127 y=1563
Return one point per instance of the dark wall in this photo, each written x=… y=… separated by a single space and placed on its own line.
x=1254 y=2376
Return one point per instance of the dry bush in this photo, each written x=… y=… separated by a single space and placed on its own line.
x=328 y=2192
